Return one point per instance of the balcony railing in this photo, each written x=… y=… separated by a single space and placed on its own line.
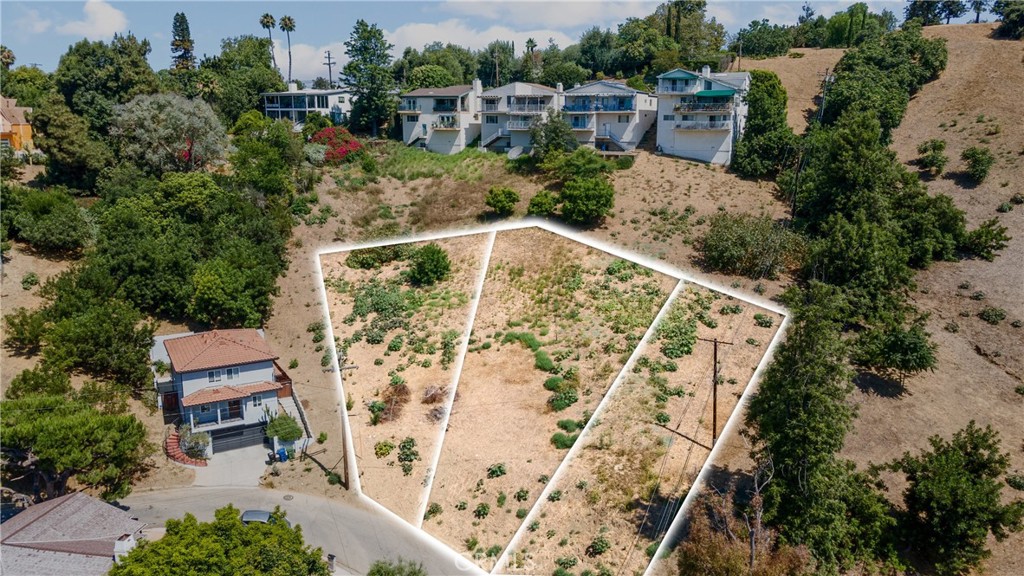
x=490 y=106
x=519 y=124
x=528 y=108
x=678 y=88
x=703 y=107
x=593 y=107
x=444 y=108
x=698 y=125
x=583 y=125
x=409 y=107
x=448 y=124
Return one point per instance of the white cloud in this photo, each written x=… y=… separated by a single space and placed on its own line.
x=308 y=60
x=33 y=22
x=459 y=32
x=101 y=22
x=558 y=14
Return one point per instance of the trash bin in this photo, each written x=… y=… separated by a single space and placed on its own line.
x=282 y=455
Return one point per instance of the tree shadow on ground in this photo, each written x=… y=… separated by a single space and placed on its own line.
x=961 y=179
x=880 y=385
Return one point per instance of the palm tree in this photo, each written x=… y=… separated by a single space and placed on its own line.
x=288 y=26
x=530 y=45
x=267 y=22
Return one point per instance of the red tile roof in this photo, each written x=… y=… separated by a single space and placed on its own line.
x=225 y=393
x=217 y=349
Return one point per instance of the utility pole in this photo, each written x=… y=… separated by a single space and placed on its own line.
x=330 y=69
x=714 y=389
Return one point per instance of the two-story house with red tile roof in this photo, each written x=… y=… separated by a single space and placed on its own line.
x=225 y=382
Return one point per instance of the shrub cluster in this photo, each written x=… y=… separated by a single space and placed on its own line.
x=342 y=146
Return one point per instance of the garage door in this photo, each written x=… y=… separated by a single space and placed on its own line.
x=241 y=437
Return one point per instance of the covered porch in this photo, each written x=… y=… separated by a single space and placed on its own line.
x=224 y=406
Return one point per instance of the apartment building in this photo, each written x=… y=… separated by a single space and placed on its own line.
x=609 y=115
x=701 y=116
x=442 y=120
x=509 y=111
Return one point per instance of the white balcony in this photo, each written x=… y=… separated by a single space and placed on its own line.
x=700 y=125
x=669 y=87
x=519 y=124
x=528 y=108
x=703 y=107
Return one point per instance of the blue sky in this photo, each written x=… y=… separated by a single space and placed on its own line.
x=39 y=32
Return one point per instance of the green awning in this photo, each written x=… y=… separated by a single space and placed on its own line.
x=714 y=93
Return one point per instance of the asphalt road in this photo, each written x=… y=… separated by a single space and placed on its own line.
x=357 y=532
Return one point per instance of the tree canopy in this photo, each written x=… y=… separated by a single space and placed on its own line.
x=168 y=133
x=225 y=547
x=368 y=76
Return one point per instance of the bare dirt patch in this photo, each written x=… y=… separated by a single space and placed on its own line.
x=642 y=454
x=555 y=324
x=400 y=388
x=801 y=77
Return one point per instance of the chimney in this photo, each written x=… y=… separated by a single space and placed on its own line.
x=577 y=85
x=558 y=87
x=706 y=71
x=123 y=545
x=478 y=87
x=293 y=87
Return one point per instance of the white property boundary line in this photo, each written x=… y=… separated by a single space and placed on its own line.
x=460 y=361
x=576 y=236
x=731 y=423
x=586 y=432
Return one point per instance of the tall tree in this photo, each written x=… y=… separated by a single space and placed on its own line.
x=75 y=157
x=239 y=74
x=168 y=133
x=497 y=63
x=268 y=22
x=57 y=438
x=929 y=12
x=7 y=57
x=979 y=6
x=953 y=498
x=288 y=26
x=368 y=75
x=225 y=547
x=531 y=45
x=430 y=76
x=952 y=9
x=182 y=48
x=1011 y=16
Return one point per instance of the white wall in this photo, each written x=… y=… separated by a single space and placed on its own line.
x=706 y=146
x=190 y=382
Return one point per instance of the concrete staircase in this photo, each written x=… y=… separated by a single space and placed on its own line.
x=172 y=447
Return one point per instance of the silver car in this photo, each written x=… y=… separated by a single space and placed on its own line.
x=262 y=516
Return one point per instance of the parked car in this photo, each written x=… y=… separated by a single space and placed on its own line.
x=262 y=516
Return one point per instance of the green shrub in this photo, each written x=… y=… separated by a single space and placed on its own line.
x=564 y=441
x=566 y=562
x=284 y=427
x=561 y=400
x=471 y=543
x=501 y=499
x=598 y=546
x=321 y=438
x=543 y=203
x=587 y=200
x=493 y=551
x=677 y=333
x=555 y=496
x=502 y=200
x=754 y=246
x=992 y=315
x=433 y=510
x=429 y=265
x=383 y=449
x=373 y=258
x=624 y=162
x=569 y=425
x=396 y=344
x=482 y=510
x=662 y=418
x=985 y=240
x=193 y=444
x=979 y=161
x=521 y=513
x=542 y=361
x=521 y=495
x=525 y=338
x=554 y=384
x=763 y=321
x=496 y=470
x=932 y=157
x=29 y=280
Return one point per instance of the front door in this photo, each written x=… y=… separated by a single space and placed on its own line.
x=170 y=401
x=234 y=409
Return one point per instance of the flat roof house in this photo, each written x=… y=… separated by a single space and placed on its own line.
x=73 y=534
x=295 y=104
x=442 y=120
x=225 y=382
x=701 y=116
x=609 y=115
x=509 y=111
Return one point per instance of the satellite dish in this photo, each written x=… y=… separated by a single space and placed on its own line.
x=515 y=153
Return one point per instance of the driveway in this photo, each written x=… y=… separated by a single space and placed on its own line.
x=356 y=531
x=239 y=467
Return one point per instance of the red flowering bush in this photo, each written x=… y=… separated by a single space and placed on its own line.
x=342 y=146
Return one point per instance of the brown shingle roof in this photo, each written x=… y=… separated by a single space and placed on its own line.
x=76 y=524
x=14 y=113
x=217 y=349
x=449 y=91
x=225 y=393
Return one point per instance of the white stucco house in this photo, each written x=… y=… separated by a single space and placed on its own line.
x=508 y=112
x=609 y=115
x=443 y=120
x=224 y=382
x=295 y=104
x=701 y=116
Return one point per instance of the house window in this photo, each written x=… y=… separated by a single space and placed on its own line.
x=669 y=117
x=204 y=409
x=413 y=119
x=321 y=101
x=707 y=84
x=213 y=375
x=232 y=373
x=623 y=118
x=257 y=401
x=491 y=119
